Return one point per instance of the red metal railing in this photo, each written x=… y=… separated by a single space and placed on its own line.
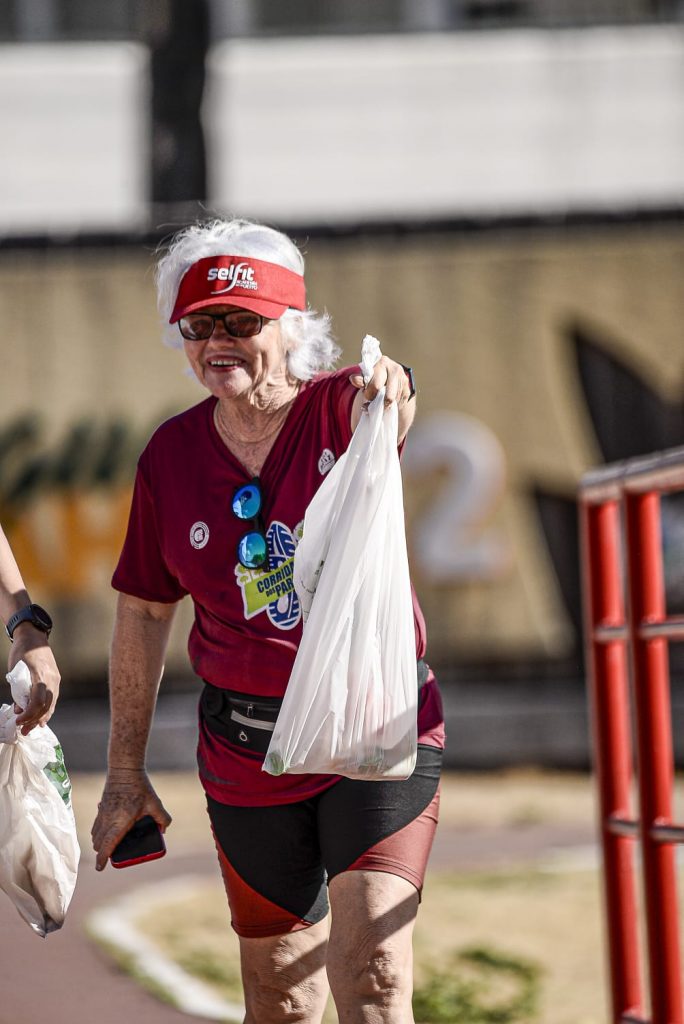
x=627 y=632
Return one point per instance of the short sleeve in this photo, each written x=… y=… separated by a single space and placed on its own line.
x=142 y=570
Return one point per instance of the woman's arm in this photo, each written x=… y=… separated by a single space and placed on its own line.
x=29 y=644
x=393 y=377
x=13 y=595
x=141 y=633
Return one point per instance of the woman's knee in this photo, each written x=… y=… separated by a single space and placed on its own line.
x=284 y=980
x=378 y=973
x=384 y=977
x=278 y=999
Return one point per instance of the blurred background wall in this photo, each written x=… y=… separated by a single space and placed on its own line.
x=494 y=189
x=330 y=129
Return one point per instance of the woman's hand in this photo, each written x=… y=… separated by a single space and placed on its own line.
x=30 y=646
x=127 y=796
x=393 y=377
x=386 y=374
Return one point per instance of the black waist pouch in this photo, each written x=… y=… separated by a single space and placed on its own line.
x=244 y=720
x=248 y=721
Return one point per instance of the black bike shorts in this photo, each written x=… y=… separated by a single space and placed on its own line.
x=277 y=860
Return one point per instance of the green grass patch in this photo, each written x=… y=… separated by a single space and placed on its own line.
x=481 y=986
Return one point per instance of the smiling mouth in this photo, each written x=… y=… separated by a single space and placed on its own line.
x=224 y=364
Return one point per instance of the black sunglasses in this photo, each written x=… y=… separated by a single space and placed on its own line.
x=239 y=323
x=252 y=549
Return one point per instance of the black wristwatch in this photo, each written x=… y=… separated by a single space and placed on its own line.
x=30 y=613
x=408 y=370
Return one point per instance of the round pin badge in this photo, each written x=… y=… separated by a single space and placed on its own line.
x=199 y=535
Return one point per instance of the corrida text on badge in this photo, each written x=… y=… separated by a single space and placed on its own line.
x=275 y=584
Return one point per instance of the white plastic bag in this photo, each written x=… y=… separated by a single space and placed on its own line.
x=351 y=701
x=39 y=851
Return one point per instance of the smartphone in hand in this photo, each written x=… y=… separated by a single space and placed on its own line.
x=143 y=841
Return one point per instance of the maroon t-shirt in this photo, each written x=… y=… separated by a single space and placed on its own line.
x=182 y=539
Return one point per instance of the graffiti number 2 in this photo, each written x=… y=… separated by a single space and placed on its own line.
x=451 y=540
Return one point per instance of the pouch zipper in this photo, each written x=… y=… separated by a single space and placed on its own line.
x=257 y=723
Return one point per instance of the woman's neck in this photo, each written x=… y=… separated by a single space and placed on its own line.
x=249 y=430
x=254 y=418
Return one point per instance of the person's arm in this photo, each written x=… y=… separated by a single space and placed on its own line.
x=29 y=644
x=392 y=376
x=141 y=633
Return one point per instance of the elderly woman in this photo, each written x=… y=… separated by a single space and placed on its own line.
x=220 y=496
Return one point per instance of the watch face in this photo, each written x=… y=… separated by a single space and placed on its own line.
x=41 y=618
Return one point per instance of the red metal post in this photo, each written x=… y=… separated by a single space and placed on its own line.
x=651 y=681
x=609 y=695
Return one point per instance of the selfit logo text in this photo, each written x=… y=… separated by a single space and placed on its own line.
x=238 y=275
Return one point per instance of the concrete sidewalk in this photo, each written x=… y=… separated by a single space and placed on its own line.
x=66 y=978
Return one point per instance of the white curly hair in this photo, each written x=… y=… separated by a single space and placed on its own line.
x=313 y=347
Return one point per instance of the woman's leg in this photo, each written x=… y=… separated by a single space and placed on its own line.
x=370 y=955
x=376 y=839
x=284 y=977
x=275 y=882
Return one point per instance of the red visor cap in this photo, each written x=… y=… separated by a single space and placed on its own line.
x=262 y=287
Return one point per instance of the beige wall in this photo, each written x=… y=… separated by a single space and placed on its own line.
x=489 y=340
x=481 y=319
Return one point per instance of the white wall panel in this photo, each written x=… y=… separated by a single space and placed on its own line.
x=334 y=129
x=442 y=125
x=74 y=130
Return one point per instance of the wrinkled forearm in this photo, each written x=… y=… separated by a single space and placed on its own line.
x=141 y=633
x=13 y=594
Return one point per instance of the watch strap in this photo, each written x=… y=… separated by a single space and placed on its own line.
x=32 y=613
x=408 y=370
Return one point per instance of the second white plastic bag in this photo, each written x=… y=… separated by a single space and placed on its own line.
x=39 y=850
x=350 y=705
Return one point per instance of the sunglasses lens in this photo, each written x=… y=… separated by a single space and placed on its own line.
x=242 y=325
x=196 y=327
x=247 y=502
x=253 y=550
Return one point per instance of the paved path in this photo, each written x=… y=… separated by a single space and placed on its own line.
x=67 y=979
